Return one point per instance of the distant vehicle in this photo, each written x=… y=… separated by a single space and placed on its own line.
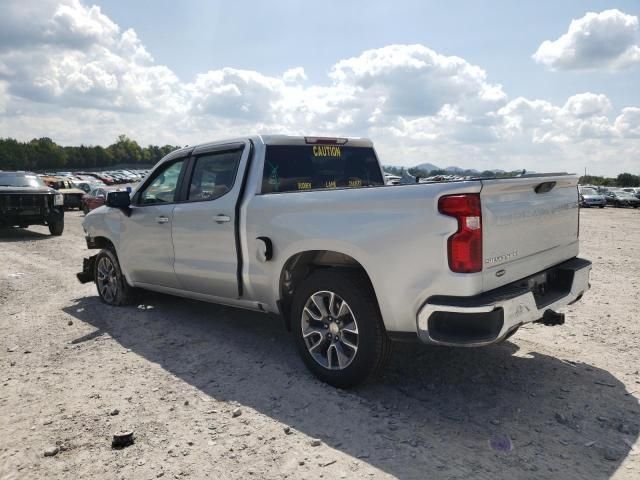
x=620 y=198
x=635 y=191
x=72 y=194
x=108 y=179
x=94 y=199
x=589 y=197
x=391 y=179
x=87 y=185
x=26 y=200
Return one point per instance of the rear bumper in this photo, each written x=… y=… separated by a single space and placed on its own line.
x=489 y=317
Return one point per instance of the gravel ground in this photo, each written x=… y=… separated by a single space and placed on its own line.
x=212 y=392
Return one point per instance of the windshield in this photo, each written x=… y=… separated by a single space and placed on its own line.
x=588 y=191
x=20 y=180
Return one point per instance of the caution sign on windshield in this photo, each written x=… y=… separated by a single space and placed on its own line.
x=326 y=151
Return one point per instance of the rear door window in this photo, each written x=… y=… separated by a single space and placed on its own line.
x=294 y=168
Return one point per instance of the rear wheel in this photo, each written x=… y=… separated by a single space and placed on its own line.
x=110 y=282
x=338 y=328
x=56 y=227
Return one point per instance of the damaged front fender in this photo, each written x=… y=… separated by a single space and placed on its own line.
x=88 y=266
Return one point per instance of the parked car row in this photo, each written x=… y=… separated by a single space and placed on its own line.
x=79 y=189
x=108 y=177
x=591 y=196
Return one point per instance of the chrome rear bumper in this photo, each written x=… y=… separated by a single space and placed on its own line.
x=489 y=317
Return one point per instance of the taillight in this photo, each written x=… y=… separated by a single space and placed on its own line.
x=465 y=246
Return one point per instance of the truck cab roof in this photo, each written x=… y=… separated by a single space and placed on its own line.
x=275 y=139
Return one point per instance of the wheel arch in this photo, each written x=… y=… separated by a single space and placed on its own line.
x=302 y=264
x=101 y=242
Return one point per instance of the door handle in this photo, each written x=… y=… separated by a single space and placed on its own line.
x=222 y=218
x=162 y=219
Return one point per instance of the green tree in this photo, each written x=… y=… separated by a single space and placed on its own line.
x=628 y=180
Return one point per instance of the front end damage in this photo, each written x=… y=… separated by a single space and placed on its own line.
x=88 y=266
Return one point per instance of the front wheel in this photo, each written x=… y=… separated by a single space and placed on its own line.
x=338 y=328
x=56 y=227
x=110 y=282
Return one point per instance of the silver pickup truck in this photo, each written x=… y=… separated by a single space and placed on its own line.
x=304 y=227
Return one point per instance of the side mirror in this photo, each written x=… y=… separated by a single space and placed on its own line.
x=118 y=199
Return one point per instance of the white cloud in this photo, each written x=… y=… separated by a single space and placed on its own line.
x=80 y=78
x=413 y=80
x=628 y=123
x=294 y=75
x=605 y=40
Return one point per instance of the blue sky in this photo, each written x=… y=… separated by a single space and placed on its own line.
x=543 y=85
x=193 y=36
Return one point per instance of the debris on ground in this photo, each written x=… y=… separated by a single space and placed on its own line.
x=122 y=440
x=51 y=451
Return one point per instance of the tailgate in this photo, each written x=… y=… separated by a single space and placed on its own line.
x=529 y=224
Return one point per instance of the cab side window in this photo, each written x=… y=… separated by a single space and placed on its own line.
x=162 y=189
x=213 y=174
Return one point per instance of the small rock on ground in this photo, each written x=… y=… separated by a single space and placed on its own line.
x=51 y=451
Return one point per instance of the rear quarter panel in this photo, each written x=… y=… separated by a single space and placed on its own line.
x=394 y=232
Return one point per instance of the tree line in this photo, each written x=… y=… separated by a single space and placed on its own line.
x=45 y=154
x=622 y=180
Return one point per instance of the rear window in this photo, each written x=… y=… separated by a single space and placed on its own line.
x=290 y=168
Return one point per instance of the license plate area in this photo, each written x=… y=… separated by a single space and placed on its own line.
x=538 y=284
x=548 y=286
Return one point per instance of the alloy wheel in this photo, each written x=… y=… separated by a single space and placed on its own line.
x=107 y=279
x=329 y=330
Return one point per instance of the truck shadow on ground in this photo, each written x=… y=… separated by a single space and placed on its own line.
x=436 y=412
x=14 y=234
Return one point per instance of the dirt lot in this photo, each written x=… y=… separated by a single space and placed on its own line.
x=553 y=402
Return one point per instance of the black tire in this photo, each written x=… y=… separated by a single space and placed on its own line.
x=56 y=227
x=373 y=345
x=601 y=206
x=118 y=291
x=85 y=209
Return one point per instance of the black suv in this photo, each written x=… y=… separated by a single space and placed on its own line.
x=25 y=200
